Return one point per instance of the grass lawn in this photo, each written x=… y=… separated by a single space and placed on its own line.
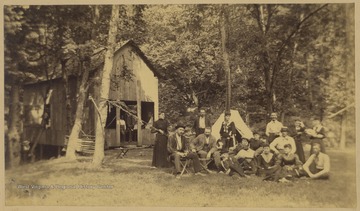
x=131 y=182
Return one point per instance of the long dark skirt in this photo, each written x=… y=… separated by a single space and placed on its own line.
x=160 y=153
x=300 y=150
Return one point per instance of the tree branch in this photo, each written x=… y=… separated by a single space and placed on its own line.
x=298 y=26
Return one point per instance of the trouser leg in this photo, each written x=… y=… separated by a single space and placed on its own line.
x=235 y=166
x=202 y=154
x=196 y=162
x=216 y=156
x=176 y=158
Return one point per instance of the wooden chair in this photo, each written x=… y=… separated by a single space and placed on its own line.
x=184 y=162
x=207 y=162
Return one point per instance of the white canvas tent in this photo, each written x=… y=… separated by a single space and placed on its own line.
x=240 y=125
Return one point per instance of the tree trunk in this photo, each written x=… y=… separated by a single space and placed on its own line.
x=67 y=97
x=83 y=91
x=308 y=82
x=342 y=144
x=105 y=88
x=14 y=146
x=224 y=33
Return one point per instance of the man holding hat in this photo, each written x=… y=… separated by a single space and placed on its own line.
x=273 y=128
x=278 y=144
x=178 y=148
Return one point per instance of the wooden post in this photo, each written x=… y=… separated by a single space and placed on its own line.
x=58 y=151
x=138 y=101
x=41 y=151
x=118 y=139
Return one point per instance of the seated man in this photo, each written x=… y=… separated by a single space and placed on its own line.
x=267 y=164
x=256 y=144
x=277 y=146
x=290 y=164
x=318 y=164
x=205 y=146
x=246 y=157
x=178 y=149
x=232 y=165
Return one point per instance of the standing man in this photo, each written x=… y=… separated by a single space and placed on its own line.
x=160 y=153
x=177 y=148
x=273 y=128
x=205 y=146
x=122 y=128
x=278 y=144
x=201 y=123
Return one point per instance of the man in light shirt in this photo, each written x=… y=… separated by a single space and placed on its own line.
x=246 y=157
x=273 y=128
x=278 y=144
x=201 y=122
x=318 y=164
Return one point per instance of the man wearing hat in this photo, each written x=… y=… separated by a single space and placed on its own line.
x=278 y=144
x=178 y=148
x=273 y=128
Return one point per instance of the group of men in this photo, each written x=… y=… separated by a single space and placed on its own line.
x=275 y=158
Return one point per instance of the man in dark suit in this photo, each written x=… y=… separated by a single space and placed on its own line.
x=201 y=123
x=205 y=146
x=178 y=149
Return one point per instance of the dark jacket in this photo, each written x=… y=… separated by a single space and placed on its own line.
x=196 y=124
x=172 y=144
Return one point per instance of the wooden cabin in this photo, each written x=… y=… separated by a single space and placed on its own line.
x=139 y=92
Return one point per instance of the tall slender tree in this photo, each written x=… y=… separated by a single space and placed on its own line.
x=105 y=87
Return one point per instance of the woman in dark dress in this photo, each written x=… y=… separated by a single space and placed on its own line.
x=290 y=164
x=160 y=153
x=299 y=135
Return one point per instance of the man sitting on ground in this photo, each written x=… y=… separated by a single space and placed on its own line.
x=232 y=166
x=178 y=149
x=205 y=146
x=246 y=157
x=256 y=144
x=318 y=164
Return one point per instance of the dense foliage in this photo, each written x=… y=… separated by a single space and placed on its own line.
x=297 y=60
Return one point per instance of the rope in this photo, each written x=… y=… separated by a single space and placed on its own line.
x=111 y=102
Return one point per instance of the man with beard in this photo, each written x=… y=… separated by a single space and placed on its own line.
x=205 y=146
x=201 y=123
x=273 y=128
x=177 y=148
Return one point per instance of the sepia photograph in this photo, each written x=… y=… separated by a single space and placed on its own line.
x=179 y=105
